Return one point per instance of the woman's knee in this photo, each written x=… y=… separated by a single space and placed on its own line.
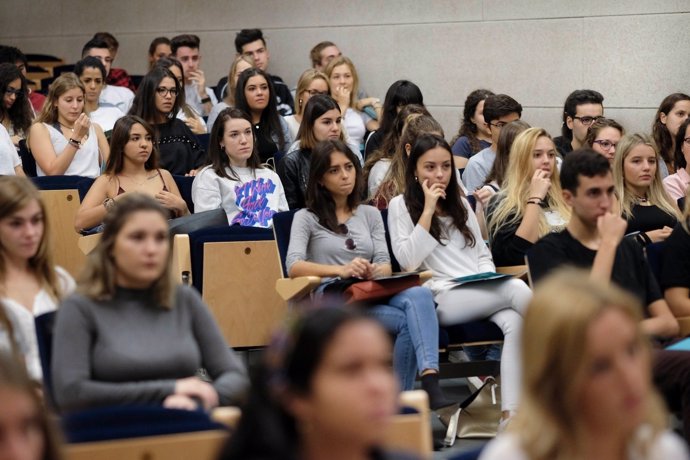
x=508 y=320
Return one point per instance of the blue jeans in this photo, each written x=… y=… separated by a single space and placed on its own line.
x=411 y=316
x=484 y=352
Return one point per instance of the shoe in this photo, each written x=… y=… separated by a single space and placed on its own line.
x=449 y=416
x=458 y=356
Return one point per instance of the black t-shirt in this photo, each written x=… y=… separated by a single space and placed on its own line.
x=179 y=150
x=563 y=145
x=648 y=218
x=675 y=266
x=630 y=268
x=506 y=247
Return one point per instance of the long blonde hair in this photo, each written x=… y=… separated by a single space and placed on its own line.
x=307 y=77
x=15 y=194
x=65 y=82
x=514 y=194
x=555 y=367
x=656 y=195
x=343 y=60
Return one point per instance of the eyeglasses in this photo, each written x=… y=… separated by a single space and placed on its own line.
x=165 y=91
x=314 y=92
x=587 y=120
x=11 y=91
x=499 y=124
x=606 y=145
x=349 y=243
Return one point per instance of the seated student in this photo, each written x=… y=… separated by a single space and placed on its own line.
x=530 y=203
x=474 y=134
x=130 y=336
x=393 y=182
x=586 y=378
x=499 y=110
x=29 y=282
x=643 y=201
x=132 y=167
x=311 y=83
x=673 y=110
x=235 y=180
x=157 y=102
x=15 y=111
x=676 y=185
x=62 y=139
x=321 y=122
x=91 y=71
x=251 y=43
x=158 y=49
x=118 y=96
x=329 y=371
x=594 y=239
x=10 y=163
x=239 y=65
x=603 y=136
x=378 y=163
x=116 y=76
x=675 y=269
x=399 y=94
x=185 y=48
x=432 y=227
x=187 y=113
x=254 y=95
x=344 y=80
x=322 y=54
x=582 y=108
x=335 y=236
x=26 y=425
x=12 y=55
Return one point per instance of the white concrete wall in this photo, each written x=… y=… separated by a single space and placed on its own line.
x=633 y=51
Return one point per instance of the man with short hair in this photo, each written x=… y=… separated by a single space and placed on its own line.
x=582 y=108
x=322 y=54
x=499 y=110
x=118 y=96
x=594 y=240
x=116 y=76
x=185 y=48
x=12 y=55
x=251 y=43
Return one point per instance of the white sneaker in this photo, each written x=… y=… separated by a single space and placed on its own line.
x=458 y=356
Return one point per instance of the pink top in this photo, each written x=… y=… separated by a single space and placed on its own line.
x=676 y=184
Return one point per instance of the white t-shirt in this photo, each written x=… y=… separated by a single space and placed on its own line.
x=213 y=114
x=355 y=125
x=9 y=159
x=293 y=125
x=666 y=446
x=119 y=96
x=23 y=321
x=376 y=175
x=86 y=161
x=250 y=202
x=194 y=100
x=105 y=116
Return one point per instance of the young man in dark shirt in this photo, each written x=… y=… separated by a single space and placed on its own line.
x=594 y=238
x=582 y=108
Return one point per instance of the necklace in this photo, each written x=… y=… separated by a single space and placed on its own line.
x=71 y=128
x=641 y=199
x=133 y=180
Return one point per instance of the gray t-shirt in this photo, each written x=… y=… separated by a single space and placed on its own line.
x=311 y=241
x=478 y=169
x=129 y=351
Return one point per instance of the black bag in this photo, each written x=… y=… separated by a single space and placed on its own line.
x=192 y=222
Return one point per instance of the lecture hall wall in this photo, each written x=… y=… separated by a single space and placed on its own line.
x=634 y=52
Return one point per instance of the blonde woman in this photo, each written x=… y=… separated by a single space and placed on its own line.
x=530 y=204
x=644 y=203
x=311 y=83
x=586 y=379
x=62 y=139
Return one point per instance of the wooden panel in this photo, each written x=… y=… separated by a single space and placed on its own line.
x=181 y=259
x=61 y=207
x=238 y=286
x=203 y=445
x=412 y=432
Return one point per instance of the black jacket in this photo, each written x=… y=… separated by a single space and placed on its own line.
x=293 y=171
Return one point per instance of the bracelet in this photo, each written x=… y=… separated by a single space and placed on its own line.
x=74 y=142
x=205 y=100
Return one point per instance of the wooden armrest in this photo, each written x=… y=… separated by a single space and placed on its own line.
x=294 y=288
x=228 y=416
x=518 y=271
x=88 y=243
x=684 y=323
x=181 y=259
x=417 y=399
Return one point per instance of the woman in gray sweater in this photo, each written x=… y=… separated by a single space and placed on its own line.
x=129 y=335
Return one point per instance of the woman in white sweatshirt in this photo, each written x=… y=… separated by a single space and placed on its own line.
x=235 y=180
x=432 y=227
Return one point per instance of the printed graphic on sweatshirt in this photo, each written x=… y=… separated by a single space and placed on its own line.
x=252 y=200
